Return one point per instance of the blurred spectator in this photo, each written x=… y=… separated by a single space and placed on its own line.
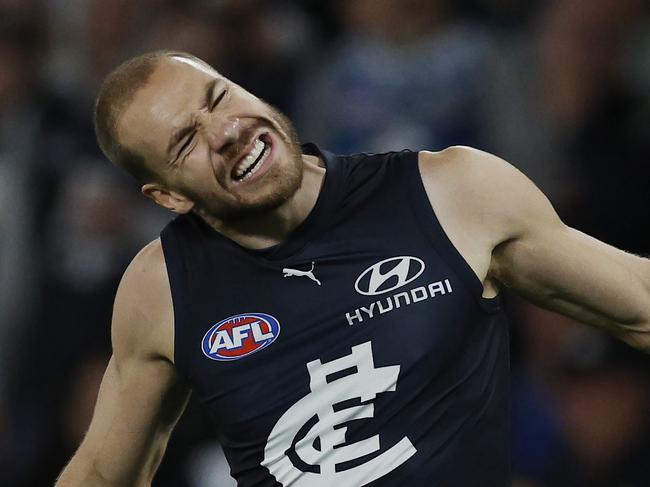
x=605 y=417
x=89 y=245
x=580 y=403
x=87 y=39
x=564 y=113
x=404 y=74
x=266 y=60
x=19 y=122
x=187 y=29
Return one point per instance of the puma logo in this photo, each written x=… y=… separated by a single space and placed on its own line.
x=298 y=273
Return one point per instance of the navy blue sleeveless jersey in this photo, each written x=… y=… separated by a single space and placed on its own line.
x=358 y=351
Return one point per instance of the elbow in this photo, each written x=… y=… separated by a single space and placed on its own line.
x=639 y=336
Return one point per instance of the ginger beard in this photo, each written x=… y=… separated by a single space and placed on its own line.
x=273 y=188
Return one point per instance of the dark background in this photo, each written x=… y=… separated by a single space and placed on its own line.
x=559 y=88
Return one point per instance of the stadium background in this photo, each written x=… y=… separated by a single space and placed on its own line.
x=560 y=88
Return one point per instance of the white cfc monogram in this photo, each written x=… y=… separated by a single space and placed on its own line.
x=332 y=450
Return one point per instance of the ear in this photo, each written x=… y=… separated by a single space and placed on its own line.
x=166 y=198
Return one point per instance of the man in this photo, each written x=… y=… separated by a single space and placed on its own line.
x=340 y=332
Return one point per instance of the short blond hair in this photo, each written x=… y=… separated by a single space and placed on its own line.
x=115 y=94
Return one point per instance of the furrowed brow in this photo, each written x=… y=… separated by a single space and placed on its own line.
x=209 y=92
x=179 y=134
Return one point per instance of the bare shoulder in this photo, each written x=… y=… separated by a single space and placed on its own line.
x=143 y=312
x=481 y=174
x=147 y=266
x=482 y=201
x=484 y=191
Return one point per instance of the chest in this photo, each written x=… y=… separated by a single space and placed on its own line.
x=250 y=333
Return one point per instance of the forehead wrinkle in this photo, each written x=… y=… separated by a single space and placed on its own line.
x=177 y=118
x=184 y=127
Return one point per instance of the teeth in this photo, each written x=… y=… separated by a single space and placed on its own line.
x=259 y=153
x=258 y=147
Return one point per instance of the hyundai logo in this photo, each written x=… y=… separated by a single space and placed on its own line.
x=388 y=275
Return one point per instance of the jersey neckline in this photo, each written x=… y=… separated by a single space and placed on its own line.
x=299 y=236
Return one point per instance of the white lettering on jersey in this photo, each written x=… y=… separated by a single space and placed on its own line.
x=258 y=334
x=394 y=302
x=222 y=340
x=363 y=382
x=239 y=334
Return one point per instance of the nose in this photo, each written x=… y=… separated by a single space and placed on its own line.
x=221 y=132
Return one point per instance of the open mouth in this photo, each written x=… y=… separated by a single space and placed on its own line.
x=251 y=163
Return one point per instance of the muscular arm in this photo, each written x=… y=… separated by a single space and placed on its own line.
x=141 y=396
x=531 y=251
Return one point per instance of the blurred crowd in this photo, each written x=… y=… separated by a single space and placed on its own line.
x=561 y=88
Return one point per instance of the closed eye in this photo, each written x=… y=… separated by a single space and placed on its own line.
x=187 y=143
x=218 y=99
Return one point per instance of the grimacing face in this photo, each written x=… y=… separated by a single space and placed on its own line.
x=215 y=147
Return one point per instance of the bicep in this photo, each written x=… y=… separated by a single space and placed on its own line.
x=141 y=396
x=530 y=250
x=562 y=269
x=138 y=404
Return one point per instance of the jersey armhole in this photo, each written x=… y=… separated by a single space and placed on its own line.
x=176 y=272
x=435 y=233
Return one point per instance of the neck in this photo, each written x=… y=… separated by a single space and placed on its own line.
x=268 y=229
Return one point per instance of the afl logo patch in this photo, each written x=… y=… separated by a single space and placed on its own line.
x=239 y=336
